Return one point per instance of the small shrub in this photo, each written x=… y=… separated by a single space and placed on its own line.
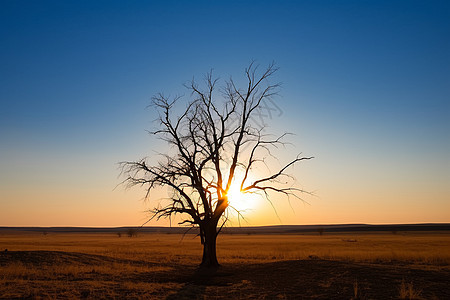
x=132 y=232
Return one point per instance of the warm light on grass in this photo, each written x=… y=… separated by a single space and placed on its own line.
x=415 y=248
x=94 y=265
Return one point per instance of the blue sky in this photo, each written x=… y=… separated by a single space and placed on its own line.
x=366 y=89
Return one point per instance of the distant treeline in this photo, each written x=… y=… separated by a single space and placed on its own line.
x=280 y=229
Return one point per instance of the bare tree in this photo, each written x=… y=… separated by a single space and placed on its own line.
x=207 y=142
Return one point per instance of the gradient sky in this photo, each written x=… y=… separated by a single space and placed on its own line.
x=366 y=90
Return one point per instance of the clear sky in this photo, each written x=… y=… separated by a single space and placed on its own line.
x=366 y=90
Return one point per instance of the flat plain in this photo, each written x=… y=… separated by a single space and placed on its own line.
x=354 y=265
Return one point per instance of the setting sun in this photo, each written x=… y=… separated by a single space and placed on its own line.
x=239 y=201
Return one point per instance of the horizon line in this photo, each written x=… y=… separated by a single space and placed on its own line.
x=255 y=226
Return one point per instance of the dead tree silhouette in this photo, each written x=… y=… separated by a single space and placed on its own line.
x=206 y=143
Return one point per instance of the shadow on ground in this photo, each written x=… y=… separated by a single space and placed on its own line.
x=295 y=279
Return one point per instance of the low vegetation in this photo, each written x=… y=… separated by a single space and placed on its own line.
x=408 y=291
x=66 y=265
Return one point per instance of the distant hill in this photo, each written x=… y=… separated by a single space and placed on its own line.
x=278 y=229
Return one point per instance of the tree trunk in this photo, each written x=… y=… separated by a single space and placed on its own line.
x=209 y=259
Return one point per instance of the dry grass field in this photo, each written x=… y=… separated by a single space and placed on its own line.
x=412 y=265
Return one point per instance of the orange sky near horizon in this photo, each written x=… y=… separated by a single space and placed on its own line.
x=84 y=200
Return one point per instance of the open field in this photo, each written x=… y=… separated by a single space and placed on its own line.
x=354 y=265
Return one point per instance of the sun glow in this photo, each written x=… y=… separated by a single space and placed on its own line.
x=242 y=202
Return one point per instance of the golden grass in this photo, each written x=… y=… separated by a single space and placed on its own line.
x=428 y=249
x=414 y=248
x=149 y=254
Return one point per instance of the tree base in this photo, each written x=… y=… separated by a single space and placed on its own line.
x=209 y=265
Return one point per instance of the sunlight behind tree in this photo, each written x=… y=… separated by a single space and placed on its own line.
x=213 y=151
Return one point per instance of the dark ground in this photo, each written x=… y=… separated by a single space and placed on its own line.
x=299 y=279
